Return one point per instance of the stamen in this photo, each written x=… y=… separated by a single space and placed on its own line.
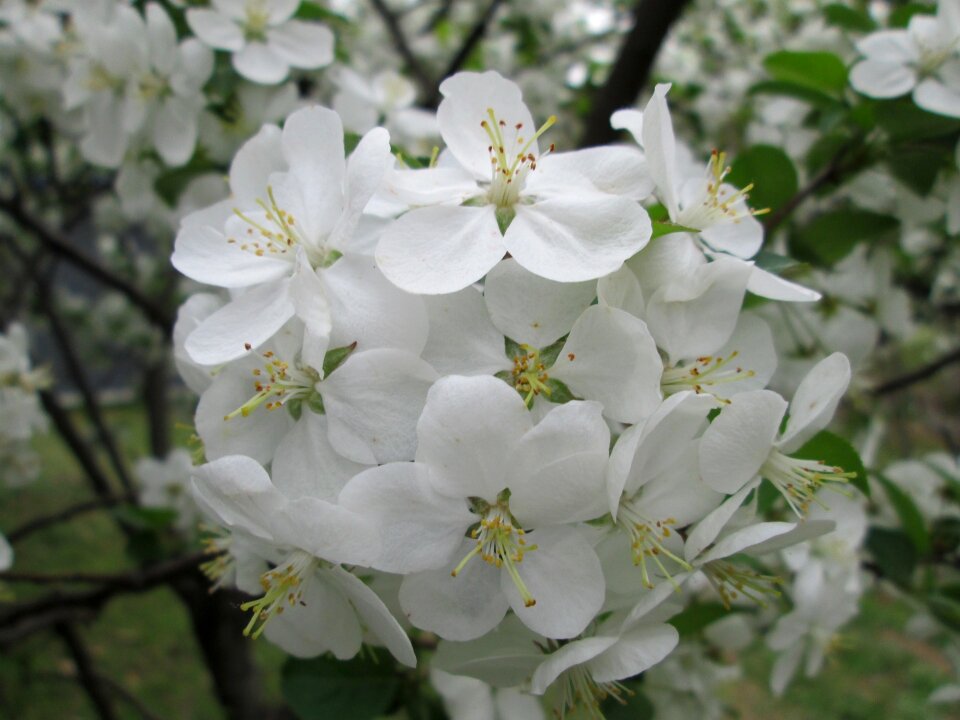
x=647 y=540
x=798 y=480
x=530 y=375
x=719 y=203
x=703 y=375
x=579 y=691
x=276 y=385
x=731 y=581
x=282 y=588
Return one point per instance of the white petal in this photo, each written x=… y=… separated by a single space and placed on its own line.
x=572 y=238
x=659 y=144
x=531 y=309
x=500 y=657
x=766 y=284
x=615 y=170
x=621 y=289
x=256 y=160
x=636 y=651
x=306 y=465
x=437 y=250
x=895 y=46
x=205 y=254
x=707 y=530
x=467 y=97
x=327 y=531
x=376 y=617
x=214 y=29
x=879 y=78
x=558 y=468
x=816 y=400
x=462 y=339
x=302 y=44
x=568 y=656
x=564 y=577
x=419 y=528
x=238 y=491
x=370 y=311
x=611 y=357
x=365 y=171
x=260 y=64
x=455 y=608
x=373 y=401
x=936 y=97
x=312 y=307
x=742 y=239
x=468 y=432
x=243 y=323
x=739 y=441
x=631 y=121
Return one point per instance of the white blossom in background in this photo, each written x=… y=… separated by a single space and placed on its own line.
x=923 y=59
x=165 y=483
x=21 y=416
x=263 y=37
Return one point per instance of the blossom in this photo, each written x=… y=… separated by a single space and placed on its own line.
x=921 y=59
x=496 y=194
x=263 y=39
x=520 y=489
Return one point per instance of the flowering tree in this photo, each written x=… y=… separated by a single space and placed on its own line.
x=487 y=346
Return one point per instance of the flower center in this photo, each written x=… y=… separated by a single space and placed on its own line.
x=217 y=568
x=500 y=542
x=278 y=234
x=256 y=21
x=731 y=581
x=510 y=160
x=798 y=480
x=703 y=375
x=719 y=203
x=647 y=538
x=151 y=86
x=279 y=383
x=579 y=691
x=282 y=588
x=529 y=374
x=100 y=79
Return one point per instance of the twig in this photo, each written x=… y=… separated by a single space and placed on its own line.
x=829 y=173
x=63 y=248
x=652 y=20
x=413 y=64
x=68 y=513
x=85 y=671
x=922 y=373
x=129 y=698
x=81 y=451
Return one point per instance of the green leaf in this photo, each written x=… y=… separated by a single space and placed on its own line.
x=772 y=173
x=696 y=617
x=893 y=553
x=335 y=358
x=172 y=183
x=512 y=348
x=945 y=537
x=146 y=518
x=919 y=167
x=662 y=228
x=911 y=519
x=945 y=609
x=830 y=237
x=816 y=98
x=848 y=18
x=900 y=17
x=831 y=449
x=324 y=687
x=902 y=119
x=820 y=71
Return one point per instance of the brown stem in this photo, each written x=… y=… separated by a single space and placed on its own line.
x=652 y=20
x=414 y=66
x=922 y=373
x=68 y=513
x=469 y=44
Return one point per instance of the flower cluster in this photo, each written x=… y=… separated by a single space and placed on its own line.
x=483 y=392
x=19 y=407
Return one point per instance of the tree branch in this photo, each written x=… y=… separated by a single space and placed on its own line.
x=922 y=373
x=85 y=671
x=392 y=23
x=81 y=451
x=63 y=248
x=652 y=20
x=68 y=513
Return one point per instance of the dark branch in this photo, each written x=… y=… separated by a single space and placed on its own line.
x=85 y=671
x=652 y=20
x=392 y=23
x=920 y=374
x=64 y=249
x=68 y=513
x=74 y=440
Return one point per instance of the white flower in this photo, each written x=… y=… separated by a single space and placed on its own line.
x=310 y=605
x=482 y=464
x=705 y=203
x=283 y=237
x=263 y=39
x=923 y=59
x=745 y=443
x=166 y=484
x=556 y=223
